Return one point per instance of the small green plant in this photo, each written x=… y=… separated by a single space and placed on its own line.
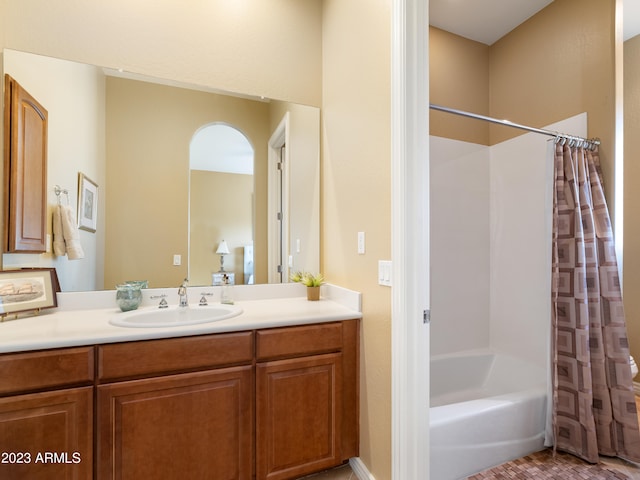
x=307 y=279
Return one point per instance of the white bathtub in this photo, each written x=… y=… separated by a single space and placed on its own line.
x=486 y=409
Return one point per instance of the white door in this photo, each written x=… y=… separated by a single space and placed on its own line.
x=278 y=206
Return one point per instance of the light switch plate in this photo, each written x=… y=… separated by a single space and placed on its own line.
x=361 y=243
x=384 y=273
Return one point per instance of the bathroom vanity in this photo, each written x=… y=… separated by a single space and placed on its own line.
x=261 y=395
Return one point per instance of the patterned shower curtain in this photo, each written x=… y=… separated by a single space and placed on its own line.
x=594 y=408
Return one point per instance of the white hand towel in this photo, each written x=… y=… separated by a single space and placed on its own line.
x=71 y=234
x=59 y=248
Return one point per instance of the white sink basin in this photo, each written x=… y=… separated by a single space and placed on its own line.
x=175 y=316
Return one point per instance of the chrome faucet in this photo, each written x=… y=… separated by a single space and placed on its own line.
x=182 y=292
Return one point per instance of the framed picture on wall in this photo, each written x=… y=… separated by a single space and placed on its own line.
x=26 y=290
x=87 y=203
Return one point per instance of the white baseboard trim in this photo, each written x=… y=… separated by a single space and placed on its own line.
x=636 y=387
x=360 y=469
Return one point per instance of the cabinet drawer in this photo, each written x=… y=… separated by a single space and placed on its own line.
x=156 y=357
x=22 y=372
x=296 y=341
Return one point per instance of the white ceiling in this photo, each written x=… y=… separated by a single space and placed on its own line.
x=483 y=21
x=631 y=15
x=487 y=21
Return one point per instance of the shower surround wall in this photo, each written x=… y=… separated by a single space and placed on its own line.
x=460 y=246
x=491 y=244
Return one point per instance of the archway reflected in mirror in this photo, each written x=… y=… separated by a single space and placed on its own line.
x=221 y=204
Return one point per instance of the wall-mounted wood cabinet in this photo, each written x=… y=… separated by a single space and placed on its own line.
x=25 y=170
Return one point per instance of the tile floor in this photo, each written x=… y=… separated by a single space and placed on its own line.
x=344 y=472
x=631 y=469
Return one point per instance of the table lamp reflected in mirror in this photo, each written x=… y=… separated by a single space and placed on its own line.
x=222 y=250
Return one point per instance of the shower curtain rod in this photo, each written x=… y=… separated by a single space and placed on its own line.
x=507 y=123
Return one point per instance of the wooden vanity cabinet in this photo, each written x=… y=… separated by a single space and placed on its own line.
x=168 y=425
x=46 y=419
x=306 y=394
x=273 y=404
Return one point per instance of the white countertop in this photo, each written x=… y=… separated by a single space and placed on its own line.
x=83 y=318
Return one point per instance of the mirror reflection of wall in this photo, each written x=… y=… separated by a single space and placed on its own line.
x=74 y=95
x=220 y=202
x=132 y=138
x=151 y=166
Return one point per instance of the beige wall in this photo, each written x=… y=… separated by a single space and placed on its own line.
x=558 y=64
x=458 y=78
x=544 y=71
x=221 y=208
x=356 y=194
x=238 y=46
x=631 y=267
x=149 y=130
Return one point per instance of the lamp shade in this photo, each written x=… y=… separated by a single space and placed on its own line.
x=223 y=249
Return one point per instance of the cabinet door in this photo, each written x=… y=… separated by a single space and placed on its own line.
x=193 y=425
x=25 y=170
x=298 y=416
x=47 y=435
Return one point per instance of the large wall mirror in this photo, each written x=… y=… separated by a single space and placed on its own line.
x=132 y=137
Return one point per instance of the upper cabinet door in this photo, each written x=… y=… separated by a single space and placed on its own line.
x=25 y=170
